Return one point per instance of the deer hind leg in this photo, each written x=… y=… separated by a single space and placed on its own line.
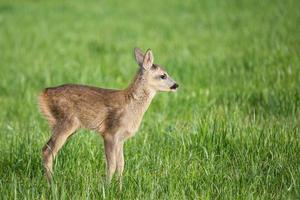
x=60 y=133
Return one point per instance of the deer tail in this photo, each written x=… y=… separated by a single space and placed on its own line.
x=45 y=108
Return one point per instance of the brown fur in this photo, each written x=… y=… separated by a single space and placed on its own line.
x=43 y=104
x=115 y=114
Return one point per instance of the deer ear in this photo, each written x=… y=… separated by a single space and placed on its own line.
x=148 y=60
x=139 y=56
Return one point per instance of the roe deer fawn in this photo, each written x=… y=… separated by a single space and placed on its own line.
x=115 y=114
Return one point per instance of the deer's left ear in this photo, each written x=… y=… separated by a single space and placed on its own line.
x=148 y=60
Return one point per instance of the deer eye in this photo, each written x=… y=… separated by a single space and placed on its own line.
x=164 y=76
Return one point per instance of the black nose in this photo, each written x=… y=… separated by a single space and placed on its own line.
x=174 y=86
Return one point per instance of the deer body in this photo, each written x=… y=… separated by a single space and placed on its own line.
x=115 y=114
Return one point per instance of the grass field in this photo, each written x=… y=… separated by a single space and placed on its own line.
x=232 y=131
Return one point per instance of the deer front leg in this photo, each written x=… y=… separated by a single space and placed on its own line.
x=120 y=162
x=110 y=144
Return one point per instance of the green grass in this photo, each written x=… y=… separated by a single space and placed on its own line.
x=232 y=131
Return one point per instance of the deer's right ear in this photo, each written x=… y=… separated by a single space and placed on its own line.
x=139 y=56
x=148 y=60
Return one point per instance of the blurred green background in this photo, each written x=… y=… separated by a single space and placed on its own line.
x=230 y=132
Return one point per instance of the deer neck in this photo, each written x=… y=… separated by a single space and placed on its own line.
x=139 y=93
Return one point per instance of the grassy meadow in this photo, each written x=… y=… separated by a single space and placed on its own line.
x=232 y=131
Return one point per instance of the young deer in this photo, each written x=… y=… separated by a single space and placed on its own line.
x=115 y=114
